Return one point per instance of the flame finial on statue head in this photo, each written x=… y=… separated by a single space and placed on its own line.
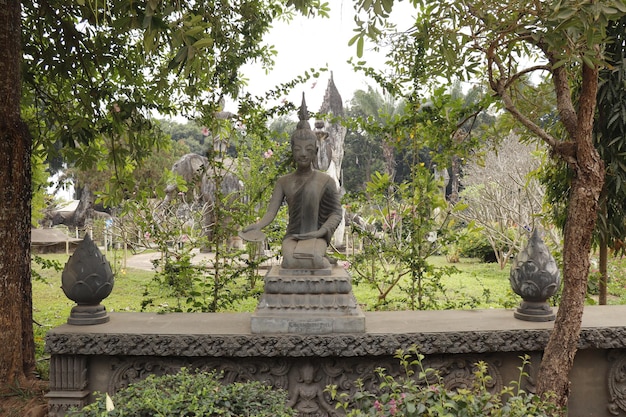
x=303 y=129
x=303 y=115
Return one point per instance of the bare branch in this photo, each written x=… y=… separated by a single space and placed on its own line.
x=525 y=71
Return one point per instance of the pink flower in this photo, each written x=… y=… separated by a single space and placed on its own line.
x=205 y=131
x=378 y=406
x=146 y=235
x=268 y=154
x=346 y=265
x=393 y=409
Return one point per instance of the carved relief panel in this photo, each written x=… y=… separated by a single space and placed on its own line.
x=304 y=379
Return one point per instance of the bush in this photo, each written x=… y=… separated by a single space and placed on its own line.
x=191 y=394
x=474 y=244
x=413 y=395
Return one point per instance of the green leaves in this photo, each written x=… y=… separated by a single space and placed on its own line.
x=96 y=71
x=402 y=394
x=191 y=393
x=610 y=133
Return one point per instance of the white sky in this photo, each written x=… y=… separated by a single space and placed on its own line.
x=306 y=43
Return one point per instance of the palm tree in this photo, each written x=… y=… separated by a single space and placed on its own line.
x=378 y=111
x=610 y=140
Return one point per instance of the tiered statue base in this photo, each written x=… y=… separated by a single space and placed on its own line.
x=308 y=302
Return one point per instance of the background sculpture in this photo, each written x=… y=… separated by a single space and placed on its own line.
x=331 y=135
x=203 y=179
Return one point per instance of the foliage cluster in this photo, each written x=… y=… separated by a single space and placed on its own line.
x=412 y=221
x=407 y=217
x=176 y=231
x=209 y=218
x=420 y=391
x=188 y=393
x=473 y=243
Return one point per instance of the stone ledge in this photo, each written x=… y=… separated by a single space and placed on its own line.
x=228 y=335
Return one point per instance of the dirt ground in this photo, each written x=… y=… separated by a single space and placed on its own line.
x=24 y=401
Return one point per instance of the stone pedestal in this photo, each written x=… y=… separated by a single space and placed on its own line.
x=307 y=301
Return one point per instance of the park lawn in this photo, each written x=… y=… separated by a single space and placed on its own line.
x=476 y=285
x=483 y=281
x=51 y=308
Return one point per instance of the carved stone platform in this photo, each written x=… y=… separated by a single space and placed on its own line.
x=308 y=302
x=110 y=356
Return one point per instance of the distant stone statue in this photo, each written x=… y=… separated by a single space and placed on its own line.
x=313 y=201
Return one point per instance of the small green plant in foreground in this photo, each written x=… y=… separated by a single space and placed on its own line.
x=191 y=394
x=413 y=395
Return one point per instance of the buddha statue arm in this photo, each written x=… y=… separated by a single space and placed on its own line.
x=272 y=209
x=330 y=214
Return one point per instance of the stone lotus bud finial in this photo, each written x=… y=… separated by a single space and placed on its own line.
x=87 y=279
x=535 y=277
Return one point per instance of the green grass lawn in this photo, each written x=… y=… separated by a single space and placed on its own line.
x=52 y=308
x=484 y=284
x=475 y=285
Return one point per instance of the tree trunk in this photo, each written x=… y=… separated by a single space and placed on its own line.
x=455 y=174
x=582 y=212
x=603 y=248
x=604 y=275
x=389 y=156
x=16 y=338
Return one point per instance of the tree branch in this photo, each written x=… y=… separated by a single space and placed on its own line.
x=560 y=80
x=501 y=87
x=525 y=71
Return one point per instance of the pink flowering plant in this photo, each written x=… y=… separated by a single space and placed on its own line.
x=421 y=391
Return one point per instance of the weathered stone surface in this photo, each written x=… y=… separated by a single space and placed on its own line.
x=307 y=302
x=286 y=281
x=68 y=384
x=535 y=277
x=313 y=201
x=87 y=279
x=130 y=346
x=211 y=334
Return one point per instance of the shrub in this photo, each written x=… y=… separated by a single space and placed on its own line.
x=474 y=244
x=413 y=395
x=191 y=394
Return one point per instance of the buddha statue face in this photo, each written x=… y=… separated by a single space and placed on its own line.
x=304 y=151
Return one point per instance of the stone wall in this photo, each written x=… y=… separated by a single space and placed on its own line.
x=107 y=357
